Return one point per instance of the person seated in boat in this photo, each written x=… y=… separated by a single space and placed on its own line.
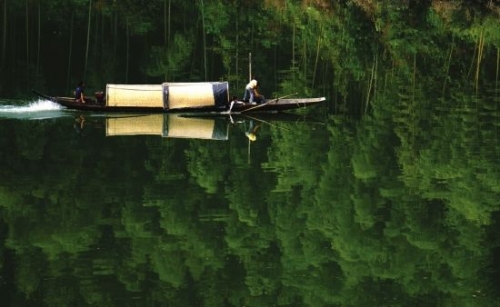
x=233 y=102
x=252 y=94
x=99 y=98
x=79 y=92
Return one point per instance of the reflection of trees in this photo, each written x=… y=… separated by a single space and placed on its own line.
x=390 y=208
x=208 y=164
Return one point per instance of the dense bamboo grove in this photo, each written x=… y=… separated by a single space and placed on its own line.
x=313 y=46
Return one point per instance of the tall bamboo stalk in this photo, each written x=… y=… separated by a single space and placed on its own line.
x=70 y=47
x=165 y=22
x=496 y=75
x=27 y=44
x=237 y=52
x=498 y=64
x=472 y=61
x=115 y=31
x=304 y=53
x=293 y=45
x=317 y=56
x=447 y=71
x=39 y=43
x=169 y=19
x=4 y=37
x=414 y=76
x=372 y=82
x=128 y=52
x=166 y=28
x=293 y=53
x=202 y=10
x=480 y=49
x=88 y=39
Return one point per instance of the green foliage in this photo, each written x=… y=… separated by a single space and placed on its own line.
x=399 y=203
x=324 y=44
x=201 y=160
x=173 y=61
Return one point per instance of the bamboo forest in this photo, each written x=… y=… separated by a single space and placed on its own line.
x=385 y=194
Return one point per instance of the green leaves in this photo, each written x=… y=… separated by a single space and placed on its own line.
x=173 y=61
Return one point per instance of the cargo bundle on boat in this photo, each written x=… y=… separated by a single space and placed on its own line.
x=168 y=95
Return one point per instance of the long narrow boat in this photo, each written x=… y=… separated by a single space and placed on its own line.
x=175 y=97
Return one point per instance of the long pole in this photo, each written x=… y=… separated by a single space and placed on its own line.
x=249 y=66
x=268 y=102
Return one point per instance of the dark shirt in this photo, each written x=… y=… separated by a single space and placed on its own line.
x=79 y=92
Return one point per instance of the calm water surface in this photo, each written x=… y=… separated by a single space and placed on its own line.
x=399 y=208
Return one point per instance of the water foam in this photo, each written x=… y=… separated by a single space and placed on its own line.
x=39 y=105
x=30 y=110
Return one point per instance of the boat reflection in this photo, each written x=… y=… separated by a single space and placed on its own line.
x=168 y=125
x=208 y=127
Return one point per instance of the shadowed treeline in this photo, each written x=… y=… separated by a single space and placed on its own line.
x=330 y=48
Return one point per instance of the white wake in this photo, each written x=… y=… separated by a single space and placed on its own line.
x=36 y=109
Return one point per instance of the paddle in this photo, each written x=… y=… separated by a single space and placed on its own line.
x=267 y=102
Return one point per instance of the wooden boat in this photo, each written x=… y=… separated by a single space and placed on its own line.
x=175 y=97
